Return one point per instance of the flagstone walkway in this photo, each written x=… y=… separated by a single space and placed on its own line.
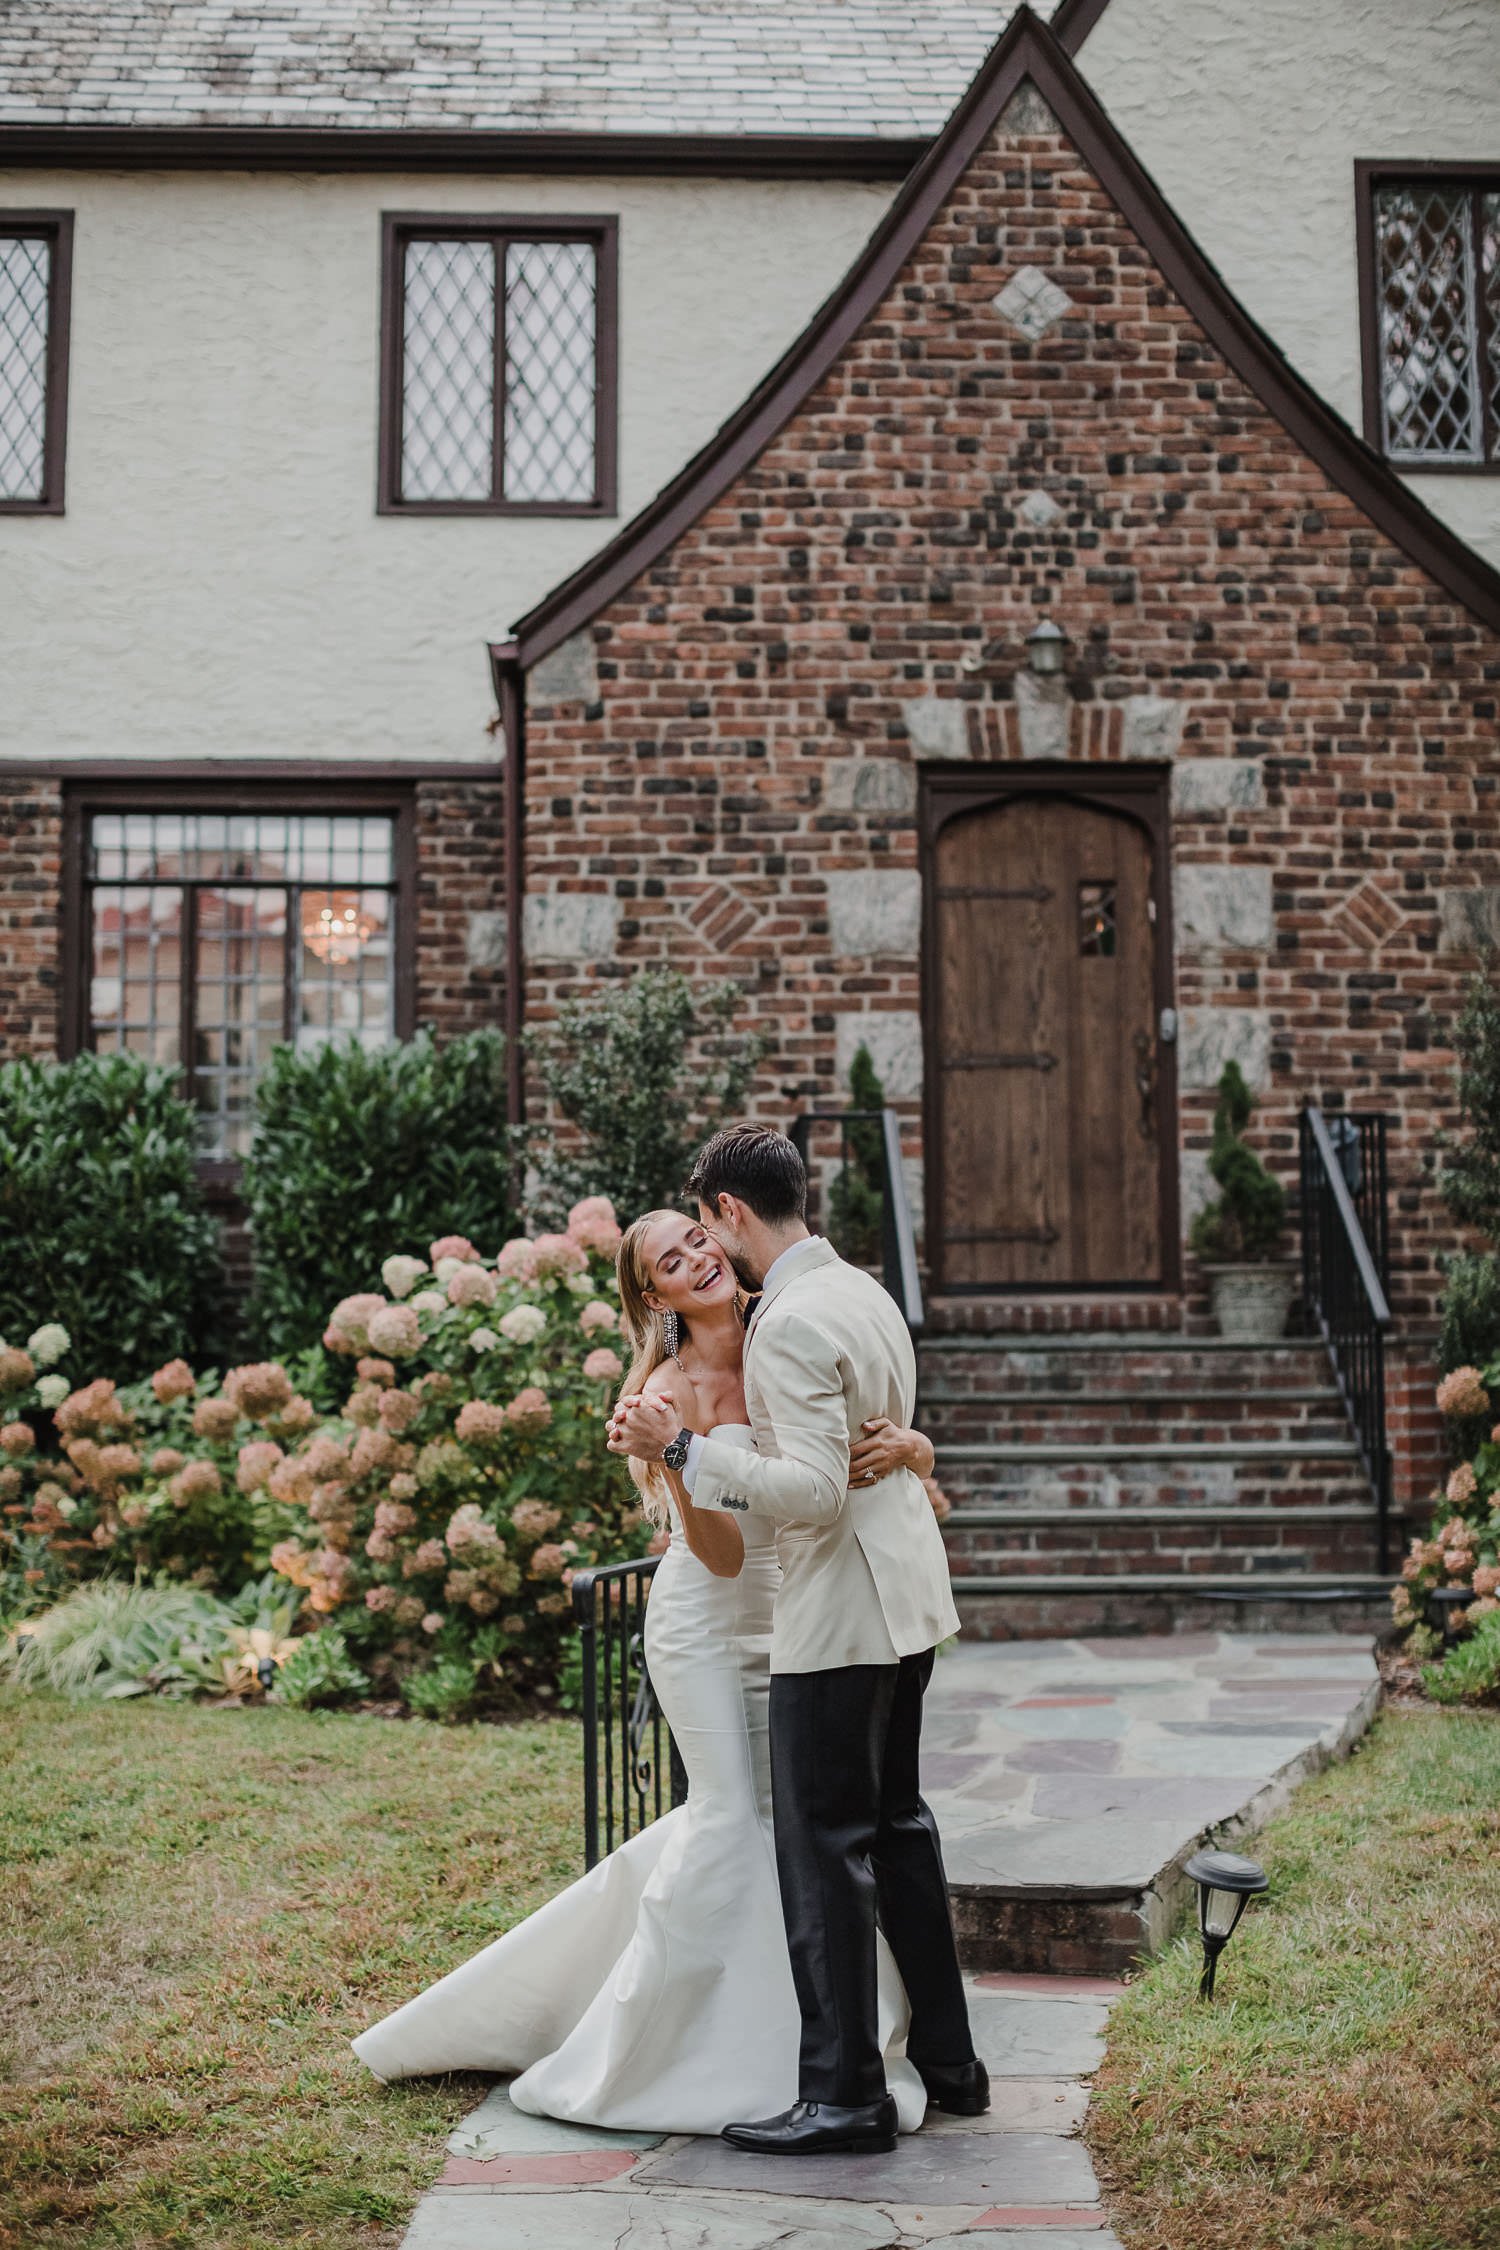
x=1071 y=1779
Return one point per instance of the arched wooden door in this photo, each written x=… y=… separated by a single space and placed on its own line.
x=1050 y=1108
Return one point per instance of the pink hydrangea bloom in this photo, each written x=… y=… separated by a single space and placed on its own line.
x=471 y=1285
x=16 y=1439
x=199 y=1480
x=256 y=1462
x=480 y=1423
x=554 y=1257
x=1462 y=1393
x=593 y=1226
x=377 y=1371
x=175 y=1380
x=548 y=1562
x=598 y=1319
x=18 y=1369
x=1462 y=1485
x=380 y=1598
x=215 y=1418
x=533 y=1519
x=260 y=1390
x=349 y=1322
x=398 y=1410
x=529 y=1411
x=467 y=1527
x=395 y=1330
x=453 y=1246
x=603 y=1366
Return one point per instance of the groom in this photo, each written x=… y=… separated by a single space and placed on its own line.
x=864 y=1599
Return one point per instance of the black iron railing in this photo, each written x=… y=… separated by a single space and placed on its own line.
x=867 y=1226
x=1345 y=1264
x=631 y=1770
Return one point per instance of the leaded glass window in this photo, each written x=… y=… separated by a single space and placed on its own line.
x=33 y=359
x=498 y=367
x=214 y=936
x=1437 y=285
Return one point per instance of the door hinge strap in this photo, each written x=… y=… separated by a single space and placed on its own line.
x=1000 y=1062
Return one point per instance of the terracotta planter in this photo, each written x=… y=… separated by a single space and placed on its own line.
x=1251 y=1302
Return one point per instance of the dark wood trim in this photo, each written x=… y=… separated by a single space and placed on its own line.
x=510 y=694
x=72 y=1002
x=404 y=966
x=397 y=229
x=1026 y=49
x=242 y=773
x=1073 y=20
x=1140 y=793
x=1369 y=174
x=57 y=226
x=401 y=148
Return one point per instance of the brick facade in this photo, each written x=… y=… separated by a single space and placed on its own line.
x=723 y=764
x=30 y=915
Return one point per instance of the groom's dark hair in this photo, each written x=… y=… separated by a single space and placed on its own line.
x=759 y=1165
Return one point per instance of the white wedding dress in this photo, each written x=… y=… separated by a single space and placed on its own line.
x=656 y=1994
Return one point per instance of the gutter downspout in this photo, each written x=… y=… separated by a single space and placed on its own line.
x=510 y=694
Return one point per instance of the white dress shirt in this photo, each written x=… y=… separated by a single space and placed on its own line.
x=778 y=1265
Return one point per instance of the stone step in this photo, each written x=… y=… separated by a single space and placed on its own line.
x=1085 y=1421
x=980 y=1518
x=1009 y=1605
x=1083 y=1393
x=1242 y=1451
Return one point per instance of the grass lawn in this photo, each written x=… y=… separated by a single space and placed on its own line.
x=1343 y=2092
x=197 y=1910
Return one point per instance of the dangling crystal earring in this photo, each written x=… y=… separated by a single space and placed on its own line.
x=671 y=1332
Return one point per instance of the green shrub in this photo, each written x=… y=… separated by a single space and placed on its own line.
x=1469 y=1335
x=856 y=1202
x=319 y=1670
x=445 y=1691
x=102 y=1224
x=1247 y=1220
x=1470 y=1673
x=359 y=1153
x=642 y=1073
x=114 y=1639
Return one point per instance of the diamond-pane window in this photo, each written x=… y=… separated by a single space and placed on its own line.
x=1437 y=293
x=33 y=316
x=212 y=937
x=498 y=366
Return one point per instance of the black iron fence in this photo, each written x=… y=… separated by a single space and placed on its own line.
x=1345 y=1264
x=631 y=1770
x=858 y=1196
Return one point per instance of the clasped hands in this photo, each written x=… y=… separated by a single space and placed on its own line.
x=644 y=1424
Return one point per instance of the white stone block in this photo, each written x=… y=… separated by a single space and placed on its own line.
x=568 y=673
x=1208 y=1038
x=1201 y=785
x=873 y=785
x=1224 y=906
x=485 y=941
x=570 y=926
x=1032 y=302
x=1039 y=509
x=894 y=1038
x=1153 y=727
x=1044 y=710
x=938 y=727
x=875 y=910
x=1198 y=1185
x=1468 y=920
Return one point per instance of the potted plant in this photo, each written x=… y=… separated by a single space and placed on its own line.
x=1237 y=1237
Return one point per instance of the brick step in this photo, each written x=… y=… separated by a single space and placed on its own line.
x=1083 y=1393
x=1105 y=1486
x=1243 y=1451
x=994 y=1367
x=1085 y=1421
x=1054 y=1604
x=972 y=1517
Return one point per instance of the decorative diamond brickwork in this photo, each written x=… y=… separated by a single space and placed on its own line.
x=25 y=279
x=448 y=423
x=1369 y=915
x=1039 y=509
x=1428 y=340
x=550 y=294
x=1032 y=303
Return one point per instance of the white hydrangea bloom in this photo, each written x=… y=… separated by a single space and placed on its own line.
x=53 y=1389
x=49 y=1343
x=483 y=1340
x=581 y=1285
x=446 y=1268
x=523 y=1323
x=401 y=1274
x=429 y=1301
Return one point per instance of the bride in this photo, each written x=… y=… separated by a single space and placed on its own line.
x=656 y=1994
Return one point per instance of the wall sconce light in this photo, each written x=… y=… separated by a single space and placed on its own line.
x=1047 y=649
x=1224 y=1883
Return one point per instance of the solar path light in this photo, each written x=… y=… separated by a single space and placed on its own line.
x=1224 y=1883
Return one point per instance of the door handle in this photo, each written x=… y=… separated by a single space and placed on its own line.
x=1166 y=1027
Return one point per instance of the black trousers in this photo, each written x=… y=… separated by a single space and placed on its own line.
x=854 y=1841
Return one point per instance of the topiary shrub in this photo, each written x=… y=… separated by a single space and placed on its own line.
x=359 y=1153
x=1470 y=1177
x=642 y=1073
x=1245 y=1224
x=102 y=1224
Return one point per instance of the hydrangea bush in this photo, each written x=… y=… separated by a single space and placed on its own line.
x=1462 y=1550
x=438 y=1515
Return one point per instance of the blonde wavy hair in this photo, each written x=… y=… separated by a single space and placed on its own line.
x=646 y=1333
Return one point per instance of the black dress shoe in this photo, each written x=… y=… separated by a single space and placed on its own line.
x=963 y=2089
x=821 y=2129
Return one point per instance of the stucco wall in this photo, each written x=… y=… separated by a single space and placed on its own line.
x=221 y=585
x=1250 y=120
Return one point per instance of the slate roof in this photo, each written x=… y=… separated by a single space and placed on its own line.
x=885 y=67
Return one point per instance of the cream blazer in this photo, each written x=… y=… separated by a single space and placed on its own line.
x=864 y=1573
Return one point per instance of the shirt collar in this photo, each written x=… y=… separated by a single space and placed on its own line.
x=780 y=1266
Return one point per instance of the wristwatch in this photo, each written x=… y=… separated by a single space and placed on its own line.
x=675 y=1455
